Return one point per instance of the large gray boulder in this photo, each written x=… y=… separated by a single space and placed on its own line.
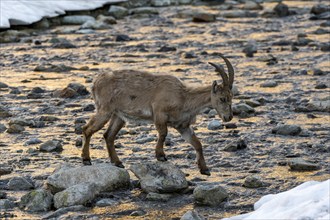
x=106 y=177
x=39 y=200
x=160 y=177
x=19 y=183
x=209 y=195
x=76 y=195
x=76 y=19
x=192 y=215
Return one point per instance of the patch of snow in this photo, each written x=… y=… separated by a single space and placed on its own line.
x=23 y=12
x=310 y=200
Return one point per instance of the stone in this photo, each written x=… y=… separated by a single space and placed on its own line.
x=160 y=3
x=5 y=169
x=39 y=200
x=106 y=177
x=122 y=37
x=79 y=88
x=252 y=5
x=242 y=107
x=250 y=49
x=159 y=177
x=117 y=11
x=192 y=215
x=19 y=183
x=4 y=112
x=3 y=85
x=212 y=113
x=325 y=47
x=11 y=36
x=166 y=49
x=3 y=128
x=51 y=146
x=61 y=211
x=78 y=194
x=318 y=72
x=209 y=195
x=321 y=85
x=319 y=105
x=63 y=44
x=235 y=145
x=281 y=10
x=21 y=121
x=106 y=202
x=15 y=129
x=6 y=204
x=143 y=10
x=253 y=181
x=298 y=164
x=66 y=93
x=320 y=8
x=95 y=25
x=203 y=17
x=214 y=125
x=239 y=14
x=268 y=84
x=76 y=19
x=287 y=130
x=106 y=19
x=253 y=103
x=32 y=141
x=53 y=68
x=158 y=197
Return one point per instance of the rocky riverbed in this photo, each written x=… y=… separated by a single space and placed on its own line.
x=278 y=138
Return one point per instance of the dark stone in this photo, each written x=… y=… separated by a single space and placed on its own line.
x=122 y=37
x=321 y=86
x=89 y=107
x=282 y=10
x=167 y=49
x=319 y=9
x=53 y=68
x=325 y=47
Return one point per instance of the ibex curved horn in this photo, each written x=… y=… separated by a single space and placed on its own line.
x=222 y=73
x=230 y=68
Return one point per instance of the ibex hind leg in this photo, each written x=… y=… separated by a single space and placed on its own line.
x=95 y=124
x=115 y=125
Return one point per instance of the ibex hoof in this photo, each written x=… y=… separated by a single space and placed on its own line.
x=87 y=162
x=120 y=165
x=206 y=172
x=162 y=158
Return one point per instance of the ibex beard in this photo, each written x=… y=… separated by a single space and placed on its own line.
x=164 y=100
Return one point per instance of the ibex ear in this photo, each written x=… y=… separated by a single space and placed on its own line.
x=214 y=86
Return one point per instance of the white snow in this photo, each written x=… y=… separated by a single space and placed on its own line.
x=22 y=12
x=308 y=201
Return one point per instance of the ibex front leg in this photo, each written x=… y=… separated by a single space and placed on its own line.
x=189 y=135
x=161 y=126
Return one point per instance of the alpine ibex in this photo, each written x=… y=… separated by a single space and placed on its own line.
x=162 y=99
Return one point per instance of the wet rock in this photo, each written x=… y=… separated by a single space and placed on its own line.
x=215 y=125
x=4 y=112
x=235 y=145
x=281 y=10
x=3 y=128
x=209 y=195
x=61 y=211
x=287 y=130
x=242 y=107
x=159 y=177
x=19 y=183
x=143 y=10
x=320 y=8
x=269 y=84
x=76 y=19
x=160 y=3
x=15 y=129
x=192 y=215
x=3 y=85
x=122 y=37
x=321 y=85
x=239 y=14
x=167 y=49
x=250 y=49
x=32 y=141
x=75 y=195
x=158 y=197
x=53 y=68
x=6 y=204
x=39 y=200
x=5 y=169
x=51 y=146
x=203 y=17
x=325 y=47
x=106 y=202
x=106 y=177
x=118 y=11
x=252 y=5
x=253 y=181
x=298 y=164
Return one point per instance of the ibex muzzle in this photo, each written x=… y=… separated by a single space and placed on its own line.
x=161 y=99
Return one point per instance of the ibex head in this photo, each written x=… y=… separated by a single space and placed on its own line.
x=221 y=94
